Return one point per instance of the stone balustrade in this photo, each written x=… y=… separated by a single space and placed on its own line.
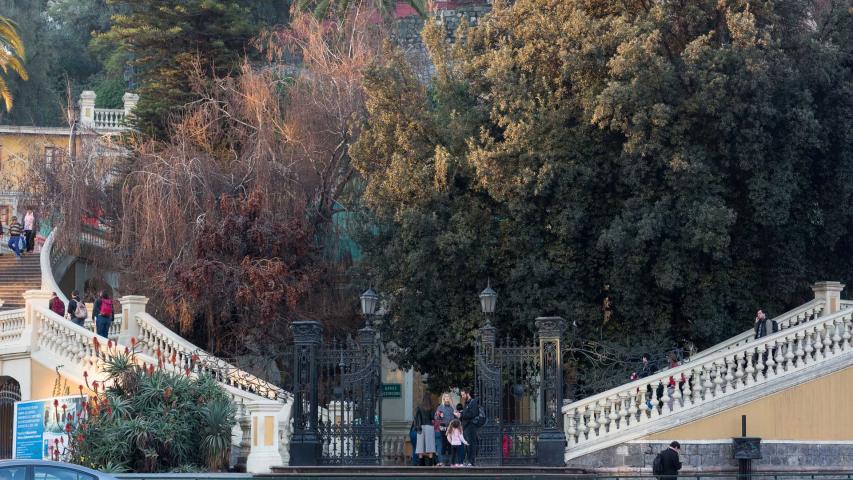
x=173 y=351
x=12 y=325
x=791 y=318
x=610 y=417
x=109 y=118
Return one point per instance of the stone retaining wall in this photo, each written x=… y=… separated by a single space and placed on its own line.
x=408 y=34
x=717 y=456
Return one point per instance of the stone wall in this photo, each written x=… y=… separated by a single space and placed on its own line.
x=717 y=456
x=408 y=34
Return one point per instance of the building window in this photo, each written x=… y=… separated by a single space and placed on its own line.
x=50 y=154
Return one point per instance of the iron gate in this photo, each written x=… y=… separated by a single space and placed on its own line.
x=10 y=392
x=337 y=412
x=520 y=389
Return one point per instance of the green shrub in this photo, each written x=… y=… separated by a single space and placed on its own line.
x=147 y=419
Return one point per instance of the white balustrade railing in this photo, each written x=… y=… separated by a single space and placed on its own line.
x=173 y=351
x=115 y=328
x=109 y=118
x=12 y=325
x=792 y=318
x=611 y=416
x=71 y=343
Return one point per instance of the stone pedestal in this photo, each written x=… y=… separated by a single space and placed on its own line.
x=131 y=305
x=32 y=300
x=830 y=293
x=263 y=454
x=87 y=108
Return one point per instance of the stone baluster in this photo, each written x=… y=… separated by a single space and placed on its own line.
x=827 y=339
x=780 y=357
x=837 y=346
x=809 y=347
x=624 y=400
x=845 y=333
x=799 y=353
x=613 y=400
x=769 y=362
x=818 y=342
x=790 y=356
x=572 y=426
x=665 y=398
x=740 y=365
x=687 y=391
x=759 y=363
x=593 y=423
x=677 y=396
x=583 y=429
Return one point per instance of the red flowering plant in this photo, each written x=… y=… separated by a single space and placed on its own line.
x=148 y=418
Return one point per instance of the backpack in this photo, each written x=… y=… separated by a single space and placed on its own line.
x=80 y=311
x=106 y=307
x=480 y=419
x=657 y=464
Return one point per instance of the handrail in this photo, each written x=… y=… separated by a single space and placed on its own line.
x=169 y=347
x=782 y=320
x=664 y=375
x=618 y=410
x=47 y=281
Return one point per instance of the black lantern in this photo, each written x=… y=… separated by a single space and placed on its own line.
x=368 y=302
x=488 y=299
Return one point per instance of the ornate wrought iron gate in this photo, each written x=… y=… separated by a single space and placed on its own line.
x=520 y=389
x=337 y=412
x=10 y=392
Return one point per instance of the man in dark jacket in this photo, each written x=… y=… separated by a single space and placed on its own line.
x=72 y=309
x=670 y=462
x=470 y=411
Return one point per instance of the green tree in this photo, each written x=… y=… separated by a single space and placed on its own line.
x=170 y=42
x=691 y=163
x=12 y=56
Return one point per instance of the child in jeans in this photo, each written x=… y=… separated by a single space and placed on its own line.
x=456 y=439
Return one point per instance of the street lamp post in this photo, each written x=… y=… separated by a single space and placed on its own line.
x=369 y=299
x=488 y=299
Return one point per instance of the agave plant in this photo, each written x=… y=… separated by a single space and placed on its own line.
x=152 y=420
x=12 y=56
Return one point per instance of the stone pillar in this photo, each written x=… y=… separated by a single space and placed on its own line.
x=551 y=448
x=830 y=293
x=245 y=422
x=305 y=441
x=130 y=101
x=87 y=108
x=33 y=299
x=130 y=306
x=263 y=453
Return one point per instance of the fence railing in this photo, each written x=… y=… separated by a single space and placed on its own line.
x=109 y=118
x=608 y=416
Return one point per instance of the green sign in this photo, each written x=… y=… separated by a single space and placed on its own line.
x=391 y=390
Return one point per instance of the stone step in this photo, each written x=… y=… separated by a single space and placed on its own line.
x=422 y=473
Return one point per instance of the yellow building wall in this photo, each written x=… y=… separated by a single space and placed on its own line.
x=15 y=148
x=43 y=381
x=816 y=410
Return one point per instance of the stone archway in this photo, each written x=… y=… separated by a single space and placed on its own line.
x=10 y=392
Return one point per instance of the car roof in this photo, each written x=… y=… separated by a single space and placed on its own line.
x=50 y=463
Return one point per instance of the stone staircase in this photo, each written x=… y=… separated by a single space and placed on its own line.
x=30 y=331
x=16 y=277
x=813 y=340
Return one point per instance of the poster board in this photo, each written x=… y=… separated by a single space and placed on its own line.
x=40 y=425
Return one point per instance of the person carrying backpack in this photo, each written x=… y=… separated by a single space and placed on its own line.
x=473 y=417
x=105 y=314
x=77 y=309
x=667 y=463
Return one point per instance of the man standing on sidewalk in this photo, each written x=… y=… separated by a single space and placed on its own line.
x=470 y=417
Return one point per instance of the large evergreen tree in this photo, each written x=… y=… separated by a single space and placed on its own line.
x=689 y=161
x=171 y=41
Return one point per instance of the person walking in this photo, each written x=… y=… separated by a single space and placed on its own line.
x=56 y=305
x=455 y=438
x=15 y=231
x=469 y=416
x=77 y=309
x=426 y=433
x=29 y=230
x=667 y=464
x=444 y=415
x=105 y=315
